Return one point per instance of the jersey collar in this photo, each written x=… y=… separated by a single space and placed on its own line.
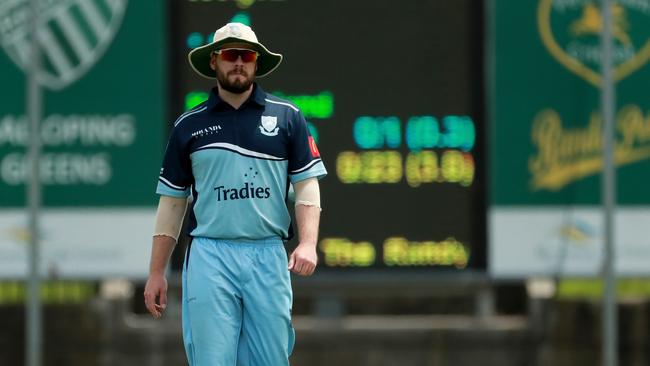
x=257 y=97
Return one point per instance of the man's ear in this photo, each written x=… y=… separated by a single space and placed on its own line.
x=213 y=62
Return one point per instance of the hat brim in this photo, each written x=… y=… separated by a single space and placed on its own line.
x=199 y=58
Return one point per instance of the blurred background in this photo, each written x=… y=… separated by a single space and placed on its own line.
x=462 y=220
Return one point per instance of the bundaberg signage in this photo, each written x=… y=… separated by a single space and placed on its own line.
x=546 y=137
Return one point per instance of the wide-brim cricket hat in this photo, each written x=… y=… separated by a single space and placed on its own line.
x=199 y=57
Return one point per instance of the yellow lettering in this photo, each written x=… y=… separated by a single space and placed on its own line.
x=341 y=252
x=399 y=251
x=565 y=155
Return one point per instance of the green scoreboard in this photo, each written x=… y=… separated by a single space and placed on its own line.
x=393 y=94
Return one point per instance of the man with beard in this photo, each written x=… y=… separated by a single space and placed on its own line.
x=236 y=155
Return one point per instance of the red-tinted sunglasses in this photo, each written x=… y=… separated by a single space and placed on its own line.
x=232 y=54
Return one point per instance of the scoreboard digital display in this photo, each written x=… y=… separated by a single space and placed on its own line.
x=393 y=94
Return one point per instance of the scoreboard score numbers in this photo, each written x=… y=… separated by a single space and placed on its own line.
x=393 y=94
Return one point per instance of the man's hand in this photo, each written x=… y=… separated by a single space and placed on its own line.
x=303 y=260
x=156 y=288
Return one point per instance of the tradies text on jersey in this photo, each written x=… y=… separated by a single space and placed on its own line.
x=248 y=191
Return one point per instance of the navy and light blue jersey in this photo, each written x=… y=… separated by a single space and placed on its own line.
x=237 y=165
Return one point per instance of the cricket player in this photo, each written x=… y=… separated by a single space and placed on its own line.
x=236 y=155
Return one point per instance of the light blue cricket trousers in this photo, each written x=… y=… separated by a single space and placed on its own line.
x=237 y=303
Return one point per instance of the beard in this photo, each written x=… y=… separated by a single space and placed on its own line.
x=237 y=86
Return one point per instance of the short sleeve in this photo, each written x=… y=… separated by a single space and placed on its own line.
x=304 y=157
x=176 y=173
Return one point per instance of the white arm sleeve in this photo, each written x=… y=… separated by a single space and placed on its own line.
x=307 y=192
x=169 y=217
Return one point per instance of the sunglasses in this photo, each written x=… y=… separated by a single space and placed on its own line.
x=232 y=54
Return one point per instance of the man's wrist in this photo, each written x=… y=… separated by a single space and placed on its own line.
x=308 y=243
x=156 y=273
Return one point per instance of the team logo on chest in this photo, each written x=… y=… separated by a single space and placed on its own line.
x=269 y=125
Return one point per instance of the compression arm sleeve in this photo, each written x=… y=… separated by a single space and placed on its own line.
x=169 y=217
x=307 y=192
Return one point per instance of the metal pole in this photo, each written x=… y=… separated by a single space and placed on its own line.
x=608 y=105
x=34 y=104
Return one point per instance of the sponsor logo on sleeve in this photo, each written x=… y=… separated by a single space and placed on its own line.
x=313 y=148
